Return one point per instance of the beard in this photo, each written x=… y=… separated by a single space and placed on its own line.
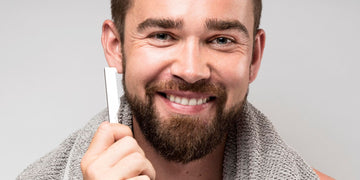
x=183 y=138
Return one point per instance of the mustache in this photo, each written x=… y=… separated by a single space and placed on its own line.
x=201 y=86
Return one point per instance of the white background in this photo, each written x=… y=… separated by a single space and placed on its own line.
x=51 y=78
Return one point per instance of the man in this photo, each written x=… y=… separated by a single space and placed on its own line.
x=186 y=66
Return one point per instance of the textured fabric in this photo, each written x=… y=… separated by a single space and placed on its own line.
x=253 y=151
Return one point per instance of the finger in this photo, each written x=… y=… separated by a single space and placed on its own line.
x=104 y=137
x=133 y=165
x=120 y=149
x=142 y=177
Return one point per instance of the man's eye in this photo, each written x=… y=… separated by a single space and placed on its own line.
x=162 y=36
x=161 y=39
x=222 y=41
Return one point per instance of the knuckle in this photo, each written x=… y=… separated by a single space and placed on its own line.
x=138 y=158
x=92 y=171
x=83 y=164
x=104 y=127
x=132 y=145
x=130 y=141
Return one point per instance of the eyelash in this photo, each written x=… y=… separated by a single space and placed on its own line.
x=156 y=36
x=219 y=38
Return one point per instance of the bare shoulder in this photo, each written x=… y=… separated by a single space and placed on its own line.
x=323 y=176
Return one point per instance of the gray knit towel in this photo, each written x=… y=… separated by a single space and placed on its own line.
x=253 y=151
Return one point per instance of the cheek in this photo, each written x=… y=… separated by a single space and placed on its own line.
x=232 y=69
x=235 y=77
x=144 y=65
x=153 y=63
x=238 y=80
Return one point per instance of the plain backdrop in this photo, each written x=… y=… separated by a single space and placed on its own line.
x=51 y=78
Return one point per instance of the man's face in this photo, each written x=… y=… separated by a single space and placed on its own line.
x=189 y=63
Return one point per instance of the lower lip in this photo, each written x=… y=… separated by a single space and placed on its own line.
x=183 y=109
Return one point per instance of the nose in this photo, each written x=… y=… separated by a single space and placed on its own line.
x=191 y=66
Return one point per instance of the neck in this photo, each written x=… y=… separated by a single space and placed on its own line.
x=208 y=167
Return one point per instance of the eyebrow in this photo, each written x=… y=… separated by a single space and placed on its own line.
x=221 y=25
x=160 y=23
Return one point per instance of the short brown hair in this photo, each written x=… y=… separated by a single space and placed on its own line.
x=119 y=9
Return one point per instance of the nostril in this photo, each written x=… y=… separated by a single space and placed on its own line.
x=190 y=70
x=178 y=77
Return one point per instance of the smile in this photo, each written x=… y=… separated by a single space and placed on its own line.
x=187 y=101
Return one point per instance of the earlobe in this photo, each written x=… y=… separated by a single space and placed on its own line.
x=259 y=45
x=111 y=43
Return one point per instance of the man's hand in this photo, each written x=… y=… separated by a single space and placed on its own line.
x=115 y=154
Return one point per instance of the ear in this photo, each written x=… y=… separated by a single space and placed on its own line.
x=111 y=43
x=259 y=45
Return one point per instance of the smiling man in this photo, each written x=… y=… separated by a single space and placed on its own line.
x=186 y=66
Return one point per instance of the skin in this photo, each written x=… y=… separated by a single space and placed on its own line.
x=190 y=51
x=323 y=176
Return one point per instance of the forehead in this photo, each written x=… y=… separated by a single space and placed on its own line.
x=192 y=11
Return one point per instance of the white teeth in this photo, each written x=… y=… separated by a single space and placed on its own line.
x=192 y=102
x=178 y=100
x=186 y=101
x=172 y=98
